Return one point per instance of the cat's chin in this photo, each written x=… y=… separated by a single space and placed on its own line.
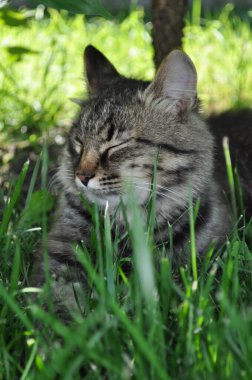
x=103 y=200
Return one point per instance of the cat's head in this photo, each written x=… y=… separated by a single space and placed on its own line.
x=127 y=124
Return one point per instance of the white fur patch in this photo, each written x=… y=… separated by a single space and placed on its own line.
x=93 y=183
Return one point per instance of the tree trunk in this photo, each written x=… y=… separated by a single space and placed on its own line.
x=168 y=22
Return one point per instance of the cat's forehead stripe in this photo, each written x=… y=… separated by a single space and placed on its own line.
x=106 y=123
x=100 y=116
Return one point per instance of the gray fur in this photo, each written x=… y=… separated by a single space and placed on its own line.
x=116 y=138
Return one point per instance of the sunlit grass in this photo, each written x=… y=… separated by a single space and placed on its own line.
x=36 y=88
x=222 y=52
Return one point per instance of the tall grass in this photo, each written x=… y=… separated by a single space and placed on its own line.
x=146 y=324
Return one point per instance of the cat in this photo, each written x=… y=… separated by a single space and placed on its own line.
x=115 y=139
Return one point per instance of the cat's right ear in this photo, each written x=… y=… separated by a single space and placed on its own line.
x=175 y=83
x=99 y=70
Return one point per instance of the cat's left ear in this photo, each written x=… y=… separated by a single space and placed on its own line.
x=176 y=81
x=99 y=70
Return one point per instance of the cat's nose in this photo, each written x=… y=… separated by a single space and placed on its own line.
x=85 y=177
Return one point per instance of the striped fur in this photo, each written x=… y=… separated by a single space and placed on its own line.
x=115 y=140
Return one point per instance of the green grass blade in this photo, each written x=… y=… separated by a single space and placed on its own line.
x=9 y=299
x=33 y=181
x=230 y=177
x=193 y=241
x=15 y=269
x=141 y=251
x=238 y=190
x=196 y=12
x=14 y=199
x=141 y=342
x=109 y=254
x=29 y=362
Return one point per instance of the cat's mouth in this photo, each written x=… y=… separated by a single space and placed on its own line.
x=94 y=192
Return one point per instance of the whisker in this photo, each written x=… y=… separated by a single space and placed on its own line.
x=176 y=193
x=157 y=192
x=156 y=185
x=52 y=181
x=168 y=197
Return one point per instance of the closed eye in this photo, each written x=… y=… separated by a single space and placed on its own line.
x=104 y=154
x=78 y=145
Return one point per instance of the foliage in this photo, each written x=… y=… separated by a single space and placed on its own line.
x=86 y=7
x=221 y=50
x=42 y=69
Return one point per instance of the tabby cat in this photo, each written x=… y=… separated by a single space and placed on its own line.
x=115 y=140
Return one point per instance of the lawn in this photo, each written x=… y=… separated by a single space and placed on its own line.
x=130 y=326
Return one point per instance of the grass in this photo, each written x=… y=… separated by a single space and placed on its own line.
x=145 y=325
x=149 y=324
